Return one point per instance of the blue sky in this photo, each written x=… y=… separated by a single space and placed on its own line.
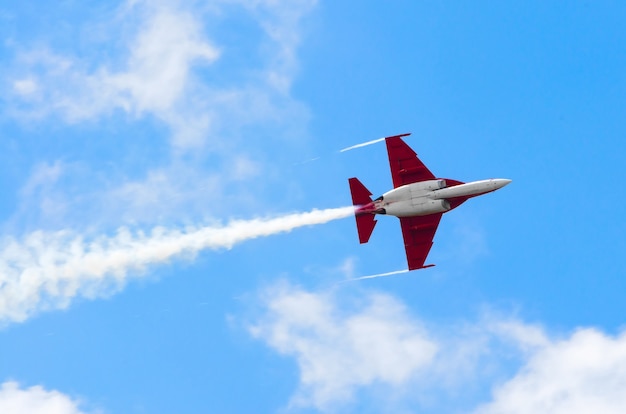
x=160 y=162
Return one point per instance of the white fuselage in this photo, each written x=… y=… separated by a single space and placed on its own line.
x=430 y=197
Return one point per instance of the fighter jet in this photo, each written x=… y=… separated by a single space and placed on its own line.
x=418 y=199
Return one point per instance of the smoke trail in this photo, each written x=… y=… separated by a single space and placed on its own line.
x=47 y=270
x=364 y=144
x=307 y=161
x=396 y=272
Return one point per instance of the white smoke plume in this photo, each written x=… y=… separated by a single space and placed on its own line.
x=364 y=144
x=47 y=270
x=395 y=272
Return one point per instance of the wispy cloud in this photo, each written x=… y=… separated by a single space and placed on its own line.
x=35 y=400
x=281 y=21
x=156 y=77
x=172 y=65
x=163 y=66
x=160 y=71
x=338 y=351
x=585 y=373
x=345 y=350
x=48 y=270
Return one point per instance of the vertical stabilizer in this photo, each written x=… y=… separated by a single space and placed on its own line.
x=365 y=222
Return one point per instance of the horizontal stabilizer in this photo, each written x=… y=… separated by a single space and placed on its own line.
x=365 y=222
x=365 y=226
x=360 y=195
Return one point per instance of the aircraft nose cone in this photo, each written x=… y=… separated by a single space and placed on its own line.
x=501 y=182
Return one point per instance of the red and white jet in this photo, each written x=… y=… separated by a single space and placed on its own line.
x=418 y=199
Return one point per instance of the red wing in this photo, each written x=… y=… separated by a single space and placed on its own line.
x=406 y=168
x=418 y=233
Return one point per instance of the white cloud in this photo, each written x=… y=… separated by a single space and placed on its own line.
x=526 y=337
x=160 y=61
x=25 y=86
x=43 y=175
x=156 y=77
x=35 y=400
x=583 y=374
x=163 y=72
x=244 y=168
x=48 y=270
x=167 y=65
x=281 y=20
x=340 y=351
x=344 y=351
x=159 y=74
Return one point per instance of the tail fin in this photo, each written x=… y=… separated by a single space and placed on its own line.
x=365 y=222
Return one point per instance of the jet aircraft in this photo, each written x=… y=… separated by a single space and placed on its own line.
x=418 y=199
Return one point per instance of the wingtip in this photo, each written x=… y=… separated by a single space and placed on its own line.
x=406 y=134
x=421 y=267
